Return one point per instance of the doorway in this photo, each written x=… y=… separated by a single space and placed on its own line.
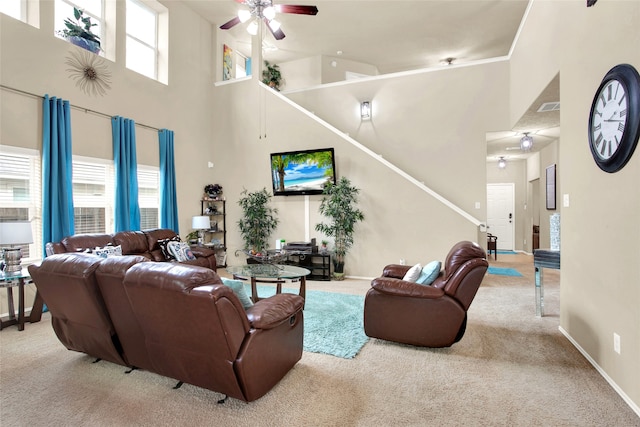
x=501 y=214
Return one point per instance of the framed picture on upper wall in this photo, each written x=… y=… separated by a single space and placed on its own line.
x=551 y=188
x=227 y=63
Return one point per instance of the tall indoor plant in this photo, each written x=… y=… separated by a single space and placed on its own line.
x=259 y=220
x=339 y=205
x=79 y=32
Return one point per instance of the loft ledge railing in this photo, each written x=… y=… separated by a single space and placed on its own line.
x=377 y=157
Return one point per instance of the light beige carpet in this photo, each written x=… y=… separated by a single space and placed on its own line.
x=510 y=369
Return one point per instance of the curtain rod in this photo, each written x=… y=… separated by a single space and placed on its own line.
x=86 y=110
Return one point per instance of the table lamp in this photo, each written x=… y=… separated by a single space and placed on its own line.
x=200 y=223
x=14 y=233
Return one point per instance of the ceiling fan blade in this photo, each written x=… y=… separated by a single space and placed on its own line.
x=298 y=9
x=278 y=34
x=229 y=24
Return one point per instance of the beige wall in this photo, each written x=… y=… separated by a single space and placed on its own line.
x=600 y=232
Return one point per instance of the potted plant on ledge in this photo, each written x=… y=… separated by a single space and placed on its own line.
x=339 y=206
x=258 y=221
x=79 y=33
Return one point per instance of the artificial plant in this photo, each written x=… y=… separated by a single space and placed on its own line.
x=339 y=206
x=271 y=75
x=259 y=220
x=81 y=27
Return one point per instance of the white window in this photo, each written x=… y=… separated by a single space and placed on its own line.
x=15 y=8
x=148 y=196
x=93 y=9
x=92 y=195
x=20 y=194
x=142 y=39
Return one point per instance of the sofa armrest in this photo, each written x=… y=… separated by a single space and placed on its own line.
x=202 y=252
x=401 y=288
x=271 y=312
x=395 y=270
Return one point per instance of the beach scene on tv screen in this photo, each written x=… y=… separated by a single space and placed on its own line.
x=302 y=172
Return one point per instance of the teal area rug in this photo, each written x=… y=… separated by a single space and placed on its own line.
x=506 y=252
x=504 y=271
x=333 y=323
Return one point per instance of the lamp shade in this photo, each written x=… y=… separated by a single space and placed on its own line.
x=15 y=233
x=200 y=223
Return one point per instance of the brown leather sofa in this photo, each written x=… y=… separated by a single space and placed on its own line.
x=143 y=243
x=173 y=319
x=428 y=316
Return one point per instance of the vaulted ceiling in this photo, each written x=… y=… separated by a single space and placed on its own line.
x=401 y=35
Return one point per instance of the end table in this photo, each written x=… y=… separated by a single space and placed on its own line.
x=19 y=279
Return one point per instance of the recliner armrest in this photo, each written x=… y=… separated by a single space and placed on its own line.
x=402 y=288
x=271 y=312
x=395 y=270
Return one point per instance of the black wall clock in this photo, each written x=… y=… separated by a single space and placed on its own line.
x=614 y=120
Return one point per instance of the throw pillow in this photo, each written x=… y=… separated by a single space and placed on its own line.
x=181 y=251
x=413 y=273
x=238 y=288
x=165 y=250
x=429 y=273
x=108 y=251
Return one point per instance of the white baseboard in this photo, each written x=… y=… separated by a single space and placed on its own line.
x=612 y=383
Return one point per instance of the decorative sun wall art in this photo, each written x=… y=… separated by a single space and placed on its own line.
x=90 y=72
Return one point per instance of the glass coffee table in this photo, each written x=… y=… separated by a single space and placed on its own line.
x=270 y=273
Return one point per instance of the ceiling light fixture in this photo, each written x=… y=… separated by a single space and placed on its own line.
x=502 y=163
x=526 y=143
x=252 y=28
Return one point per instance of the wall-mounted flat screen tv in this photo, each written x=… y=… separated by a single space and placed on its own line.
x=302 y=172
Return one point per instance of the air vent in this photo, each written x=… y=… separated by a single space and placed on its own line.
x=549 y=106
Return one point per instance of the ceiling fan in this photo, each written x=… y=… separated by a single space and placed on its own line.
x=265 y=10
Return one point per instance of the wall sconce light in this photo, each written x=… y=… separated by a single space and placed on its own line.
x=502 y=163
x=526 y=143
x=365 y=110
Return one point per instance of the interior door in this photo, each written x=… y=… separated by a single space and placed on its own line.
x=501 y=214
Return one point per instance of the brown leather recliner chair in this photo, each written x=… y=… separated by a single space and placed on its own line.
x=110 y=276
x=79 y=317
x=197 y=331
x=427 y=316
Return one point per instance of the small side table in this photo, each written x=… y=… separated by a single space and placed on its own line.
x=20 y=279
x=543 y=258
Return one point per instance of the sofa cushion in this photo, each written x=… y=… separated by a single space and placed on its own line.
x=132 y=242
x=429 y=273
x=82 y=242
x=237 y=287
x=413 y=273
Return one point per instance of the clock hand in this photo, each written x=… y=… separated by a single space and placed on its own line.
x=610 y=120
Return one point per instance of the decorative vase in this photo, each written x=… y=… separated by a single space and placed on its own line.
x=89 y=45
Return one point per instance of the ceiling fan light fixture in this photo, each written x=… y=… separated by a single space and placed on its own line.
x=252 y=28
x=274 y=25
x=526 y=142
x=244 y=15
x=269 y=12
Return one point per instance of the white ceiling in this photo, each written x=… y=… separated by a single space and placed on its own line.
x=402 y=35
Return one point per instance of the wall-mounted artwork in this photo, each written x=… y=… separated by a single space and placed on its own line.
x=551 y=187
x=227 y=63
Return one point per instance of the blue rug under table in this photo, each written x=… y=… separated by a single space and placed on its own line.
x=333 y=322
x=504 y=271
